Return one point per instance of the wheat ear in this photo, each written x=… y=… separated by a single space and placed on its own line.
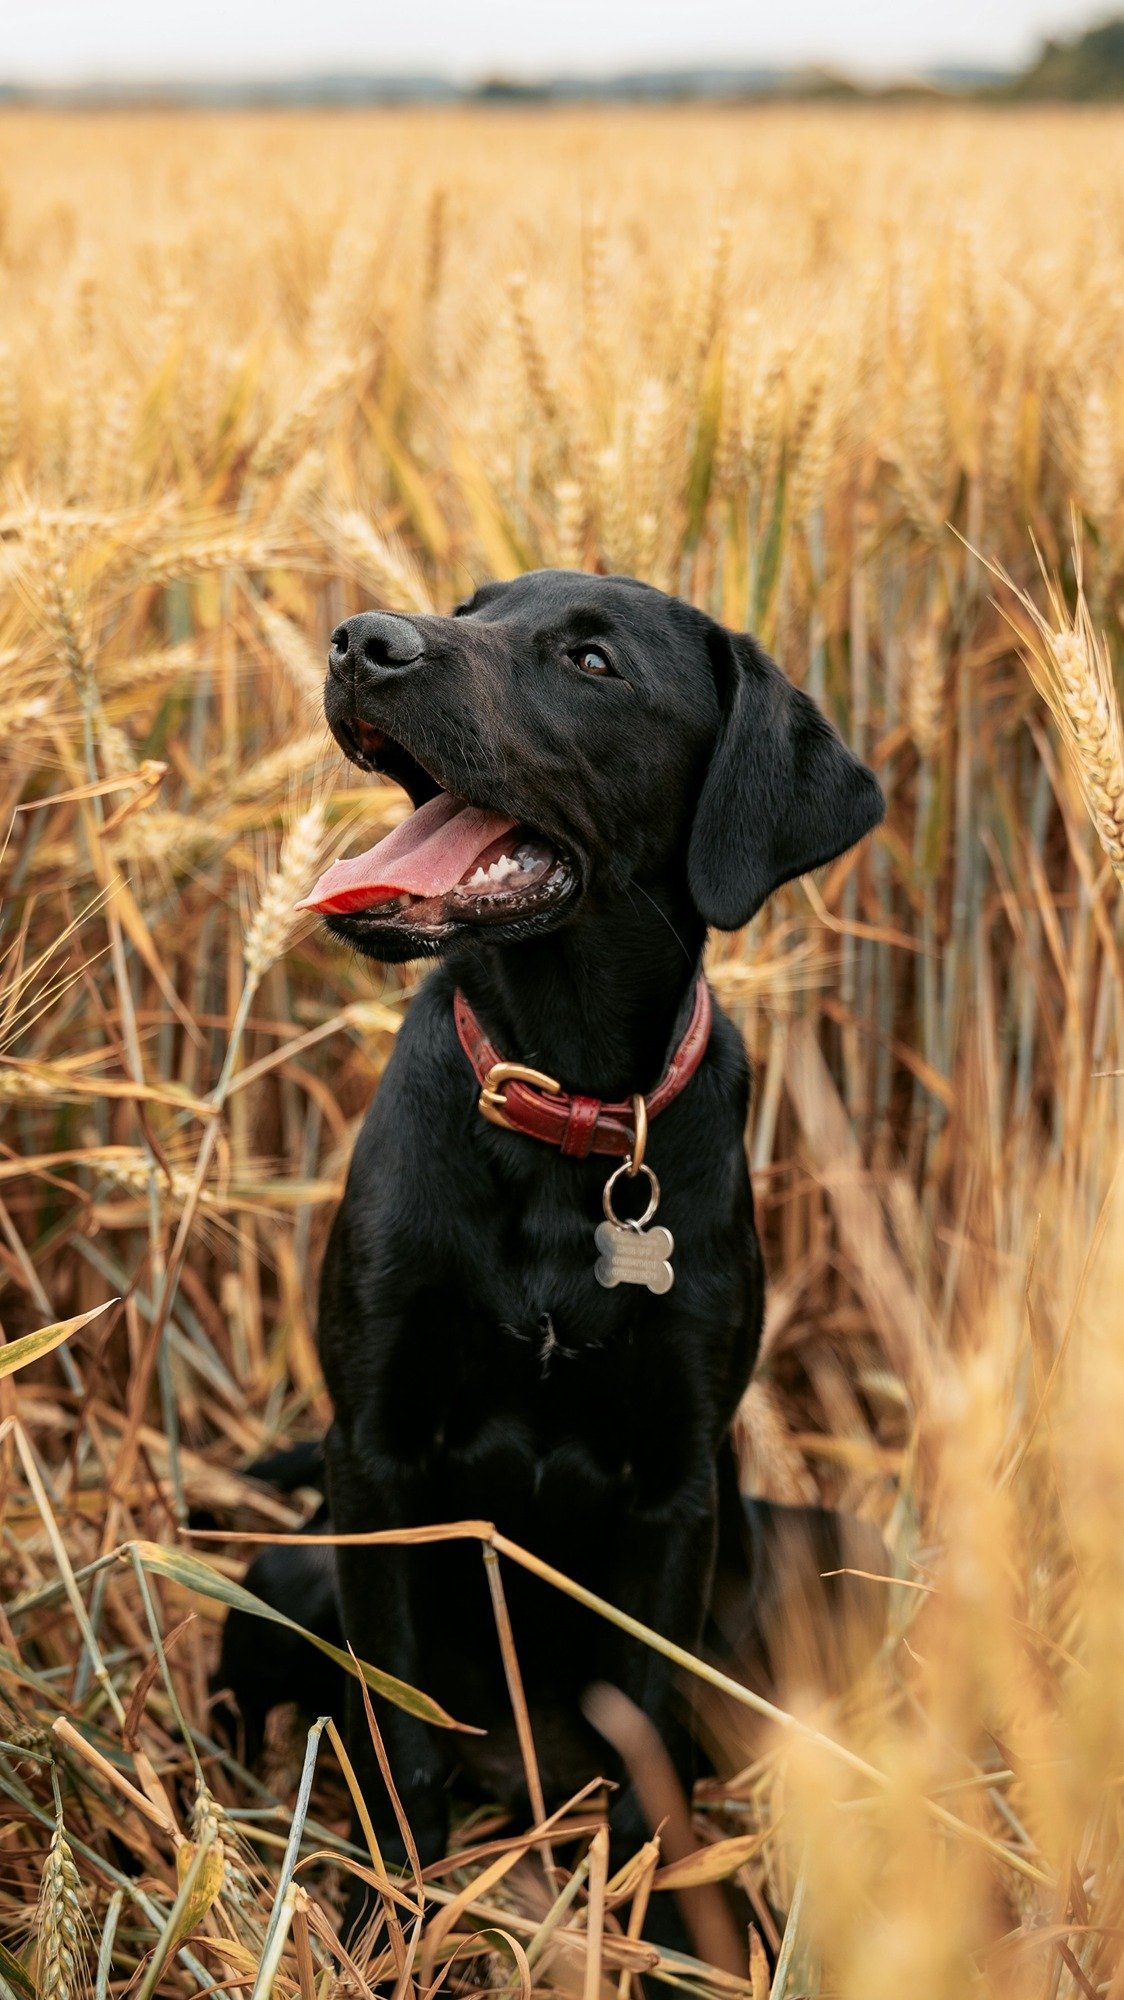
x=273 y=921
x=60 y=1973
x=1068 y=661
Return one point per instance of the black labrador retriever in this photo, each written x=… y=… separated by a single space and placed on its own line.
x=599 y=772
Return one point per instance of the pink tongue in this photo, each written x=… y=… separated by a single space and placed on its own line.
x=426 y=856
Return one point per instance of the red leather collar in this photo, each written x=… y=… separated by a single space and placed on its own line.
x=525 y=1100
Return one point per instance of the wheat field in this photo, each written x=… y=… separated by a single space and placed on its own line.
x=851 y=377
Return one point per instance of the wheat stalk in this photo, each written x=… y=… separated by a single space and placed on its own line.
x=1070 y=665
x=275 y=917
x=373 y=557
x=209 y=1819
x=68 y=621
x=177 y=838
x=272 y=774
x=926 y=704
x=237 y=550
x=303 y=666
x=569 y=527
x=1077 y=681
x=16 y=1084
x=281 y=446
x=1097 y=457
x=61 y=1973
x=534 y=361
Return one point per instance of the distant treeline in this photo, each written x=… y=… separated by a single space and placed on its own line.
x=1086 y=69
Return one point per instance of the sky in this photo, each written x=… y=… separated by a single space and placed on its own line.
x=64 y=41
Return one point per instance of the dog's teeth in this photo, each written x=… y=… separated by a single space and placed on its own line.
x=498 y=872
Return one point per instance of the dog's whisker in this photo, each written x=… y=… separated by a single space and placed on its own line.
x=662 y=914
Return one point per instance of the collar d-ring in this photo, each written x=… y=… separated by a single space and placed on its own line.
x=640 y=1137
x=527 y=1101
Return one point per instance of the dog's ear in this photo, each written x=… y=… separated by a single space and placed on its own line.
x=783 y=794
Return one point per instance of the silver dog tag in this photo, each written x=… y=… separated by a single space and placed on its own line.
x=634 y=1256
x=630 y=1252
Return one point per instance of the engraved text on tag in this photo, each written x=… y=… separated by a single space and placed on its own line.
x=634 y=1256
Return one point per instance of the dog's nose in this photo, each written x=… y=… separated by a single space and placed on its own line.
x=374 y=639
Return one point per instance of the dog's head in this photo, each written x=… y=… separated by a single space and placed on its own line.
x=566 y=739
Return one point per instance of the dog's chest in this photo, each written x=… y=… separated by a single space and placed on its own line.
x=556 y=1408
x=554 y=1440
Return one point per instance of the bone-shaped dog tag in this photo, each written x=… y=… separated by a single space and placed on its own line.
x=634 y=1256
x=631 y=1253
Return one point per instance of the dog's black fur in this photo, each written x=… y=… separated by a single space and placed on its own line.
x=476 y=1368
x=797 y=1599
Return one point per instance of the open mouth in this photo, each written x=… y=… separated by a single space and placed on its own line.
x=449 y=862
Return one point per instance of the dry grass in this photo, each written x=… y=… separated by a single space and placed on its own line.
x=261 y=371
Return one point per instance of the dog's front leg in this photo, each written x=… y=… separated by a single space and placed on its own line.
x=663 y=1576
x=377 y=1610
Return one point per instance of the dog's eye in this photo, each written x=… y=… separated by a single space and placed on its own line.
x=592 y=660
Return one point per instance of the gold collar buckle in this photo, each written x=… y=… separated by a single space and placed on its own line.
x=491 y=1103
